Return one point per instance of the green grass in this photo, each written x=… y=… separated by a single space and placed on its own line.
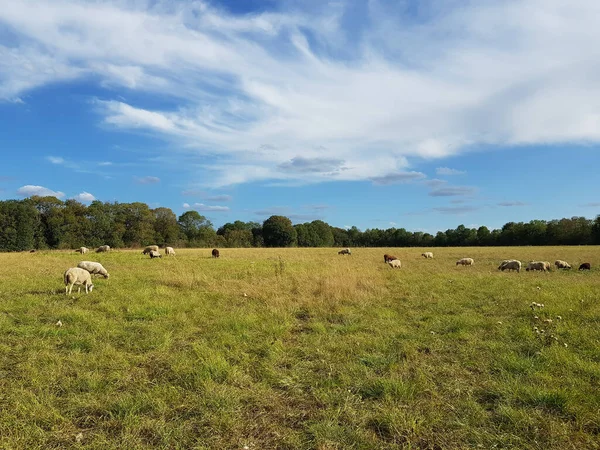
x=322 y=352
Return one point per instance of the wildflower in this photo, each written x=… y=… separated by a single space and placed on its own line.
x=59 y=324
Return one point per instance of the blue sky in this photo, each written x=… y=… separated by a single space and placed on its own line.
x=422 y=115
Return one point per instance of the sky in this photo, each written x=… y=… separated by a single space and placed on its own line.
x=422 y=114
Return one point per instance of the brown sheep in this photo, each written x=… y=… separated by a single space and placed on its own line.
x=387 y=258
x=585 y=266
x=215 y=253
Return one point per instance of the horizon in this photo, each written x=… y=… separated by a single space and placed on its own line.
x=416 y=115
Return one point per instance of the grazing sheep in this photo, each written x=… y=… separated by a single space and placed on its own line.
x=387 y=258
x=82 y=250
x=538 y=265
x=94 y=268
x=345 y=251
x=32 y=251
x=76 y=275
x=149 y=249
x=427 y=255
x=395 y=264
x=465 y=262
x=103 y=249
x=510 y=264
x=154 y=254
x=215 y=253
x=585 y=266
x=169 y=251
x=562 y=264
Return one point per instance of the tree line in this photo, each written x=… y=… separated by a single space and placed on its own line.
x=50 y=223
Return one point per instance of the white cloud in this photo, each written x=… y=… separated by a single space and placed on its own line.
x=453 y=191
x=31 y=190
x=186 y=205
x=445 y=171
x=56 y=160
x=147 y=180
x=298 y=96
x=514 y=203
x=85 y=197
x=210 y=208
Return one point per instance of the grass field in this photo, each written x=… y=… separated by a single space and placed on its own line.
x=300 y=349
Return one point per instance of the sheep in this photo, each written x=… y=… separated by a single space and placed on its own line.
x=149 y=249
x=465 y=262
x=154 y=254
x=76 y=275
x=510 y=264
x=585 y=266
x=103 y=249
x=169 y=251
x=345 y=251
x=395 y=264
x=562 y=264
x=82 y=250
x=215 y=253
x=94 y=268
x=427 y=255
x=387 y=258
x=538 y=265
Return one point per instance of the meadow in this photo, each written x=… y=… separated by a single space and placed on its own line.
x=301 y=349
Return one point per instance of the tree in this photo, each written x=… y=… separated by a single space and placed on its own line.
x=197 y=229
x=596 y=230
x=278 y=231
x=166 y=228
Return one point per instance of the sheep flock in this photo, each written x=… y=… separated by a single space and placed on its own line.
x=82 y=274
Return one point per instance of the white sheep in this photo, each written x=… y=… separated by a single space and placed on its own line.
x=345 y=251
x=149 y=249
x=154 y=254
x=82 y=250
x=560 y=264
x=465 y=262
x=395 y=264
x=169 y=251
x=76 y=275
x=94 y=268
x=543 y=266
x=427 y=255
x=510 y=264
x=103 y=249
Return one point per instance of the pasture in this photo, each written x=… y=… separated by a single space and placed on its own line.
x=301 y=349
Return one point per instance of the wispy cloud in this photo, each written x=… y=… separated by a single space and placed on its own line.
x=435 y=182
x=307 y=165
x=219 y=198
x=147 y=180
x=453 y=191
x=31 y=190
x=456 y=209
x=85 y=197
x=445 y=171
x=470 y=75
x=398 y=177
x=515 y=203
x=591 y=205
x=206 y=208
x=273 y=211
x=56 y=160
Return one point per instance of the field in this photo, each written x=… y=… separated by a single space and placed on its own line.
x=301 y=349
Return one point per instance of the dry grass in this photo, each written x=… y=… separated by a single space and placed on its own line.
x=300 y=348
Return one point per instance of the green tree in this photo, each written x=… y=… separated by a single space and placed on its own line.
x=197 y=229
x=278 y=231
x=166 y=228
